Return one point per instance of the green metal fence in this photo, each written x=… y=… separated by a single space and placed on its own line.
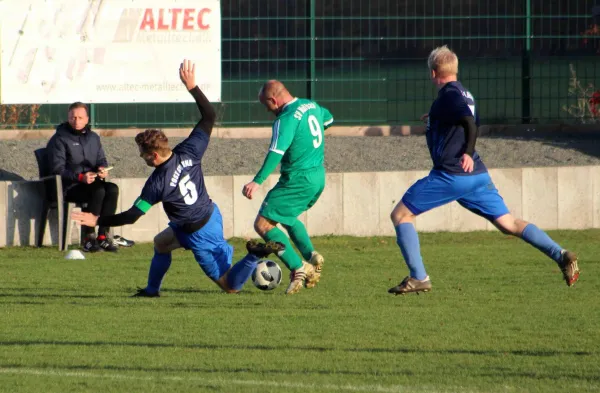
x=366 y=61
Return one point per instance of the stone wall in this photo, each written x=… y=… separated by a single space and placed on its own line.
x=357 y=204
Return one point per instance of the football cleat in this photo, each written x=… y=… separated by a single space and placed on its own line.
x=263 y=250
x=317 y=261
x=298 y=278
x=568 y=267
x=410 y=284
x=122 y=242
x=141 y=292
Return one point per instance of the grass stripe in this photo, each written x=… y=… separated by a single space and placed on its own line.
x=220 y=382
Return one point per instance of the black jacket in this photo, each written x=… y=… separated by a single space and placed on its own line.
x=71 y=153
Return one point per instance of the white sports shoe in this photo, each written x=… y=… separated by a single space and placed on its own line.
x=298 y=277
x=317 y=261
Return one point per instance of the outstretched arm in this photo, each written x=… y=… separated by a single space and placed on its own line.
x=126 y=218
x=187 y=75
x=139 y=208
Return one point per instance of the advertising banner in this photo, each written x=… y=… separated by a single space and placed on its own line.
x=107 y=51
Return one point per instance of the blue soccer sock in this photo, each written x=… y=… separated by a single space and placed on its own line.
x=408 y=240
x=241 y=272
x=158 y=268
x=540 y=240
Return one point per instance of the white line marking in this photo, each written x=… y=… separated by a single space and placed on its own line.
x=222 y=382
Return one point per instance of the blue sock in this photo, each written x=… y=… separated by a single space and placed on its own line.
x=241 y=272
x=540 y=240
x=408 y=240
x=158 y=268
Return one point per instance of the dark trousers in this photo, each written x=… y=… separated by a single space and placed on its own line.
x=101 y=198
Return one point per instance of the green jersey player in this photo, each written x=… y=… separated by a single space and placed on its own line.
x=297 y=143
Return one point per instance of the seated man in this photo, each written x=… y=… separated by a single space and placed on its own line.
x=75 y=153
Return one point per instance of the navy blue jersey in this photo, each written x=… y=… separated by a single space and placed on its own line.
x=446 y=139
x=179 y=183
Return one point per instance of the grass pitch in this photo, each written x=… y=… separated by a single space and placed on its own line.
x=499 y=319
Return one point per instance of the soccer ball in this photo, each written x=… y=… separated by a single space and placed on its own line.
x=267 y=275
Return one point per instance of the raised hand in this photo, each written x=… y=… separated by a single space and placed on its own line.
x=187 y=74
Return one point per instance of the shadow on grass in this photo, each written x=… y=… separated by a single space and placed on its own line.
x=215 y=291
x=233 y=370
x=50 y=296
x=537 y=376
x=28 y=289
x=482 y=352
x=278 y=371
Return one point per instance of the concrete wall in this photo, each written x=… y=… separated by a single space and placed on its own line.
x=523 y=130
x=356 y=204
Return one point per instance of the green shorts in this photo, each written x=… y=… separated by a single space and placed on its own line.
x=293 y=194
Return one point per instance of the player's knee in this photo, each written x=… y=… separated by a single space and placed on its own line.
x=520 y=226
x=262 y=226
x=505 y=230
x=257 y=226
x=401 y=214
x=510 y=226
x=160 y=246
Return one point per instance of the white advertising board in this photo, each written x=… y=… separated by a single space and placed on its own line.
x=107 y=51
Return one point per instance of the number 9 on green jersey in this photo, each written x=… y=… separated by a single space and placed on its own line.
x=298 y=135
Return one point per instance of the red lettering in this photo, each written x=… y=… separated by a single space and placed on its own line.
x=175 y=12
x=148 y=20
x=188 y=19
x=161 y=20
x=201 y=18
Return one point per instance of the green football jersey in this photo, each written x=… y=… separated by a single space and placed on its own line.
x=298 y=135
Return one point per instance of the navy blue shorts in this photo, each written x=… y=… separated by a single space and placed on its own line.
x=476 y=193
x=211 y=250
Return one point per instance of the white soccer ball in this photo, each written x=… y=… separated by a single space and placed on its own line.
x=267 y=275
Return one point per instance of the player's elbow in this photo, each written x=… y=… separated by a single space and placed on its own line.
x=133 y=220
x=468 y=123
x=207 y=123
x=132 y=215
x=209 y=115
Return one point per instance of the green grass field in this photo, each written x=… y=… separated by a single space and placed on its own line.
x=499 y=319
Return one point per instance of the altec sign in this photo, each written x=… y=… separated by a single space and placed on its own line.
x=62 y=51
x=182 y=19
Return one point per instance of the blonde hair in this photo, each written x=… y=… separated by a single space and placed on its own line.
x=443 y=61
